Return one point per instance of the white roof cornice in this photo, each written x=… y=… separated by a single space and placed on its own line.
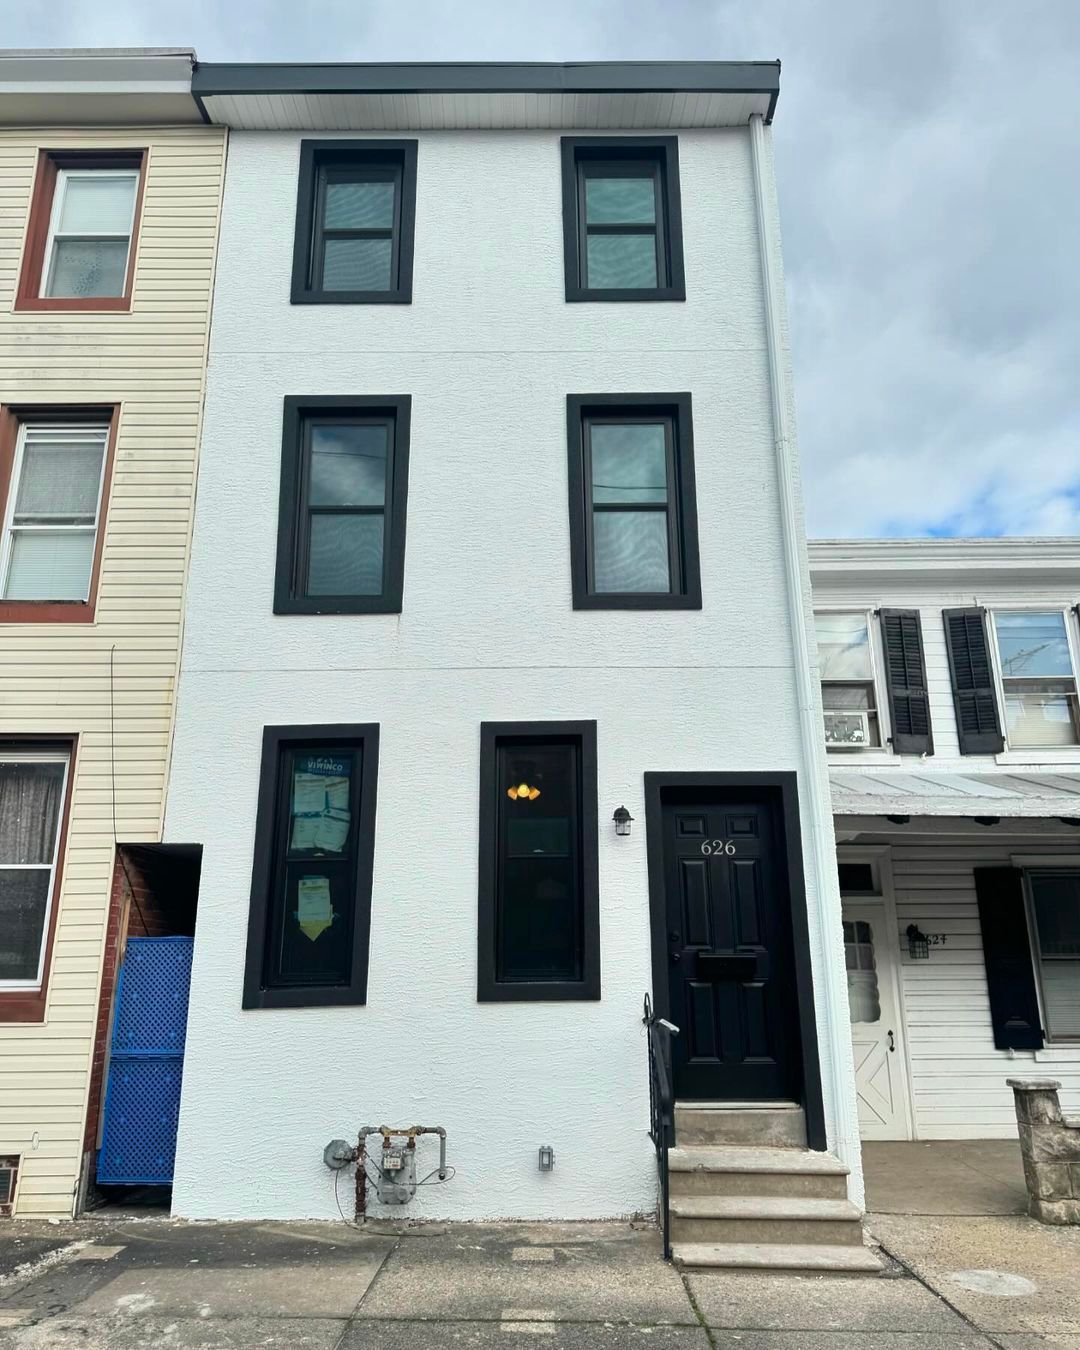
x=946 y=559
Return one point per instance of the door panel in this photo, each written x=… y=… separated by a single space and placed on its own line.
x=876 y=1033
x=729 y=950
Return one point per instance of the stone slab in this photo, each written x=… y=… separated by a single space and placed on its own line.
x=402 y=1335
x=769 y=1303
x=200 y=1333
x=981 y=1176
x=599 y=1273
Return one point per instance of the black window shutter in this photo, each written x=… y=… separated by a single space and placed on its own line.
x=968 y=644
x=905 y=679
x=1010 y=975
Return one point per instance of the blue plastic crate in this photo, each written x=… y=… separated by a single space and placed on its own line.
x=152 y=997
x=142 y=1108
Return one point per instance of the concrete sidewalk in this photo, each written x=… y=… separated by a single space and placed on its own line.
x=317 y=1286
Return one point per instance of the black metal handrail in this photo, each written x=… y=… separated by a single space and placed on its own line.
x=661 y=1107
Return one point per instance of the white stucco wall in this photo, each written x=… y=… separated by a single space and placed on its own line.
x=488 y=350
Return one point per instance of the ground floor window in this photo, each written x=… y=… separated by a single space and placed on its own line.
x=32 y=787
x=1055 y=918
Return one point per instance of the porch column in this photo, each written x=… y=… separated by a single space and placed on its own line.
x=1050 y=1147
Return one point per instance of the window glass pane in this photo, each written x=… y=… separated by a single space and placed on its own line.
x=843 y=646
x=620 y=201
x=1033 y=644
x=359 y=205
x=629 y=462
x=97 y=203
x=59 y=480
x=856 y=879
x=50 y=565
x=348 y=465
x=314 y=946
x=346 y=555
x=320 y=793
x=539 y=912
x=87 y=267
x=29 y=810
x=1041 y=712
x=630 y=552
x=621 y=261
x=24 y=896
x=864 y=999
x=1056 y=901
x=357 y=265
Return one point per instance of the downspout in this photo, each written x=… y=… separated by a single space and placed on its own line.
x=819 y=838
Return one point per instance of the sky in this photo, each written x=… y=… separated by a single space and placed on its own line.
x=927 y=158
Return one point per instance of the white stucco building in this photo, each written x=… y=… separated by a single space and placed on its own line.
x=499 y=530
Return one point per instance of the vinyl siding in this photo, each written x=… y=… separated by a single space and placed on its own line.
x=55 y=678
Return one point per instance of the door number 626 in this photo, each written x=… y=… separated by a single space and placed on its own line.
x=713 y=846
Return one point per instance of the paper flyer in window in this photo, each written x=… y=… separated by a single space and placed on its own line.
x=333 y=831
x=314 y=909
x=309 y=794
x=304 y=830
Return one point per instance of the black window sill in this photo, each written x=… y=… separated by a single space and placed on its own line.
x=578 y=293
x=312 y=996
x=633 y=601
x=398 y=297
x=368 y=604
x=540 y=991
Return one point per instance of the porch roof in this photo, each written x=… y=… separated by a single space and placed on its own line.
x=926 y=792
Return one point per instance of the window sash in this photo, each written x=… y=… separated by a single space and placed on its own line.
x=1013 y=688
x=354 y=173
x=669 y=508
x=63 y=178
x=588 y=167
x=40 y=757
x=46 y=434
x=1053 y=959
x=308 y=509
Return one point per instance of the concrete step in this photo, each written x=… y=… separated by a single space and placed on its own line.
x=761 y=1125
x=776 y=1256
x=753 y=1219
x=737 y=1170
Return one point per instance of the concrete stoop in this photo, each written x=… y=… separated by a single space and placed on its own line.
x=747 y=1193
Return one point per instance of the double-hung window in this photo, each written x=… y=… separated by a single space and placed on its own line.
x=311 y=881
x=1038 y=681
x=341 y=524
x=847 y=681
x=33 y=784
x=355 y=218
x=539 y=926
x=82 y=231
x=1055 y=921
x=622 y=222
x=52 y=511
x=633 y=511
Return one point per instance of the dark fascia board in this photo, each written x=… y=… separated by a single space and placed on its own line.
x=734 y=77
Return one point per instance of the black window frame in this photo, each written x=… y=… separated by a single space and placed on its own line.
x=294 y=514
x=607 y=153
x=398 y=157
x=681 y=508
x=490 y=989
x=267 y=870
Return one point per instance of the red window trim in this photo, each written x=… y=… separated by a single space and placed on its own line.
x=37 y=230
x=29 y=1005
x=11 y=418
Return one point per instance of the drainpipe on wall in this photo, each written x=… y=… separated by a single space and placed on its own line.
x=830 y=991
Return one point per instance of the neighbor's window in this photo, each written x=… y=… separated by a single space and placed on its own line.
x=311 y=882
x=847 y=681
x=1037 y=678
x=355 y=216
x=52 y=511
x=538 y=902
x=32 y=788
x=341 y=537
x=1055 y=903
x=632 y=502
x=622 y=219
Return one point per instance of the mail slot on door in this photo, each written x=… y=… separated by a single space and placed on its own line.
x=744 y=966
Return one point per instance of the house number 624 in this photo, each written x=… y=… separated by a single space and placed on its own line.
x=713 y=846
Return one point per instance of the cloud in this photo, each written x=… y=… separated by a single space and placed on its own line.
x=926 y=156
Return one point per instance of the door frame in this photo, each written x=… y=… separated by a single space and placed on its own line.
x=782 y=788
x=879 y=856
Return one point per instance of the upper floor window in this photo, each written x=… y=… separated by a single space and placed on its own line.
x=847 y=681
x=1037 y=678
x=1055 y=915
x=341 y=526
x=633 y=513
x=622 y=221
x=55 y=488
x=81 y=237
x=355 y=222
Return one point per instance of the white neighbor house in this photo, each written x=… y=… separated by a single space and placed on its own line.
x=545 y=302
x=949 y=672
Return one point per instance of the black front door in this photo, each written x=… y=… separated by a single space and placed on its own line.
x=729 y=948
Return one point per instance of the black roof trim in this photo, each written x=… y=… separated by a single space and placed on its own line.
x=734 y=77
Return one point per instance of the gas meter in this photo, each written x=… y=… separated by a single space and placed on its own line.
x=394 y=1163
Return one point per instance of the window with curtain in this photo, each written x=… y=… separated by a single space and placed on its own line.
x=1055 y=904
x=53 y=505
x=1037 y=678
x=31 y=800
x=847 y=681
x=90 y=229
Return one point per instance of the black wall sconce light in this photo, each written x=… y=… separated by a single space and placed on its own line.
x=918 y=944
x=623 y=820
